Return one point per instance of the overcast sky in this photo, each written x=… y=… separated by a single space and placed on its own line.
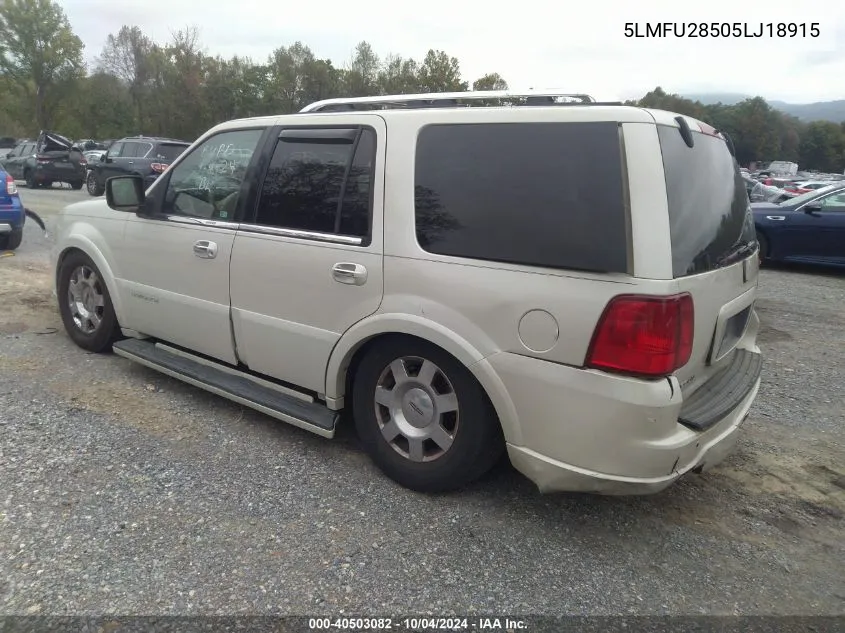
x=531 y=43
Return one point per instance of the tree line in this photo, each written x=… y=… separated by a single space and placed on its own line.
x=177 y=89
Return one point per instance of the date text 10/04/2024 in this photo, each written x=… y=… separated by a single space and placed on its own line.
x=722 y=29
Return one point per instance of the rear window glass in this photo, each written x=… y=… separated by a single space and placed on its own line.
x=709 y=213
x=168 y=151
x=542 y=194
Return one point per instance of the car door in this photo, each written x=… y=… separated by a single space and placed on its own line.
x=832 y=228
x=17 y=162
x=814 y=230
x=9 y=160
x=110 y=165
x=309 y=263
x=176 y=252
x=134 y=154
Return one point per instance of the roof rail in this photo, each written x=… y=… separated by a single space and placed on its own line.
x=449 y=99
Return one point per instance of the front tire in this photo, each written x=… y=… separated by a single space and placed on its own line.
x=85 y=305
x=94 y=187
x=423 y=417
x=10 y=241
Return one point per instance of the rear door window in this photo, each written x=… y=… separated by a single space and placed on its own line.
x=319 y=180
x=709 y=213
x=539 y=194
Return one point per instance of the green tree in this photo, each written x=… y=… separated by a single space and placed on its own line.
x=441 y=73
x=399 y=75
x=490 y=81
x=360 y=79
x=127 y=56
x=823 y=146
x=39 y=53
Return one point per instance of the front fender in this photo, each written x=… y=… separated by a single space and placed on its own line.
x=426 y=329
x=82 y=240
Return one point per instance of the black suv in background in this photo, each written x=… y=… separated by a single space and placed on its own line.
x=145 y=156
x=51 y=158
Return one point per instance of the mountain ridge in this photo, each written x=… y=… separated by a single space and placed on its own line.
x=818 y=111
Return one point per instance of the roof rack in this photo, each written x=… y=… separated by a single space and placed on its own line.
x=450 y=100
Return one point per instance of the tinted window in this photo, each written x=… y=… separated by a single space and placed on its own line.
x=309 y=174
x=207 y=183
x=709 y=213
x=544 y=194
x=115 y=149
x=130 y=150
x=168 y=152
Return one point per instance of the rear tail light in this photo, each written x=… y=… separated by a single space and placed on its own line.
x=43 y=159
x=159 y=167
x=11 y=187
x=644 y=335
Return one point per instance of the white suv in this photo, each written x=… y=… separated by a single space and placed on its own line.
x=570 y=282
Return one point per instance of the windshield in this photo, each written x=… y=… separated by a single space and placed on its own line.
x=806 y=197
x=710 y=218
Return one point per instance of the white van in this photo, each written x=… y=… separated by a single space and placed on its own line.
x=465 y=274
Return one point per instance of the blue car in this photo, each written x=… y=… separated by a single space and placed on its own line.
x=809 y=228
x=12 y=214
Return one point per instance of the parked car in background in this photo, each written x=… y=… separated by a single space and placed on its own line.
x=145 y=156
x=782 y=168
x=345 y=259
x=809 y=228
x=51 y=158
x=7 y=143
x=93 y=156
x=12 y=213
x=806 y=186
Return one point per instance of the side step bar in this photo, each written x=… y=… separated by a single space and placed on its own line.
x=232 y=384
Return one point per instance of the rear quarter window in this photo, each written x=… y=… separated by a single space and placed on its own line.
x=539 y=194
x=709 y=214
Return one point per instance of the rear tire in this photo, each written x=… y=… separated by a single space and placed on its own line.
x=76 y=186
x=85 y=304
x=10 y=241
x=94 y=187
x=29 y=177
x=423 y=417
x=764 y=248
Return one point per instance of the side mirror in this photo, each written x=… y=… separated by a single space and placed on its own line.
x=125 y=193
x=812 y=207
x=104 y=158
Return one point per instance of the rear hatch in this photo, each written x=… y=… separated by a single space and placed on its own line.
x=713 y=248
x=57 y=150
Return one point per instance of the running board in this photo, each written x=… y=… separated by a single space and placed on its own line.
x=232 y=384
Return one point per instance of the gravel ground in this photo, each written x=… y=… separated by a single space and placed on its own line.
x=125 y=492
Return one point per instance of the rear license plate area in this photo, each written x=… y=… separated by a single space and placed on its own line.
x=734 y=330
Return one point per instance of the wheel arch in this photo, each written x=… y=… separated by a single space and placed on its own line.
x=355 y=342
x=82 y=244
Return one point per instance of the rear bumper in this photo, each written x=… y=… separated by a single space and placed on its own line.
x=44 y=172
x=588 y=431
x=554 y=476
x=11 y=217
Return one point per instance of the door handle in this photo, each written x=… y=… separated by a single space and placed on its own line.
x=775 y=217
x=352 y=274
x=205 y=249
